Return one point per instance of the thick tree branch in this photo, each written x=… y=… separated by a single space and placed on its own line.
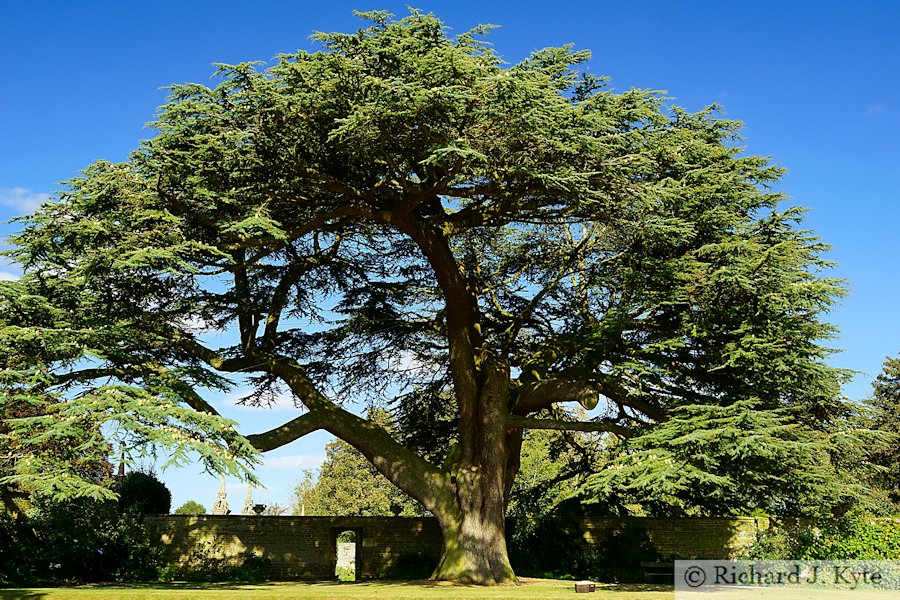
x=290 y=431
x=514 y=422
x=404 y=468
x=218 y=361
x=538 y=395
x=621 y=396
x=463 y=320
x=479 y=214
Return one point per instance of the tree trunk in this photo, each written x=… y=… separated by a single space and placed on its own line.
x=475 y=545
x=474 y=528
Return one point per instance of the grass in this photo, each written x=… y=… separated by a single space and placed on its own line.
x=546 y=589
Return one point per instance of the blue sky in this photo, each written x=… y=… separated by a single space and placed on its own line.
x=817 y=85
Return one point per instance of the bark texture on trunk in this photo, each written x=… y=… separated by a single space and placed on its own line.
x=475 y=547
x=474 y=531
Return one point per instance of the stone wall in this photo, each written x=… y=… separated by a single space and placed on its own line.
x=301 y=547
x=306 y=547
x=693 y=537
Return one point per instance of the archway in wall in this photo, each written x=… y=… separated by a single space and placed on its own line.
x=347 y=555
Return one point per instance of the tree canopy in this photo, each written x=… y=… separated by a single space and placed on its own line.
x=404 y=220
x=191 y=507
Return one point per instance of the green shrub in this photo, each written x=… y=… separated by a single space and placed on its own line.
x=345 y=574
x=774 y=543
x=854 y=537
x=19 y=552
x=552 y=548
x=167 y=573
x=143 y=493
x=79 y=540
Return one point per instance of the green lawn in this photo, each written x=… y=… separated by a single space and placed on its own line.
x=547 y=589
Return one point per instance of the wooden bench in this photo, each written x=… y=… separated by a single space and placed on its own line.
x=659 y=572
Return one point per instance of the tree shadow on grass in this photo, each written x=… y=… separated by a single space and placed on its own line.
x=17 y=594
x=181 y=585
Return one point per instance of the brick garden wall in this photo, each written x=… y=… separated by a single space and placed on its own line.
x=305 y=547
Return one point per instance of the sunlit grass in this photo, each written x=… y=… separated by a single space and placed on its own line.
x=530 y=588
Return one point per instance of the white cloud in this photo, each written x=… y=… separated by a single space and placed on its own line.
x=4 y=276
x=295 y=461
x=22 y=200
x=195 y=325
x=873 y=109
x=407 y=361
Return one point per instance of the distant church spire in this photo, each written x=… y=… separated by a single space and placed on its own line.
x=248 y=503
x=121 y=472
x=220 y=506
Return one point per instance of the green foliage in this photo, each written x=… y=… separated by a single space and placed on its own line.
x=18 y=552
x=53 y=342
x=345 y=574
x=723 y=460
x=854 y=537
x=141 y=492
x=777 y=542
x=553 y=464
x=191 y=507
x=348 y=485
x=553 y=549
x=619 y=556
x=167 y=573
x=65 y=449
x=346 y=536
x=77 y=540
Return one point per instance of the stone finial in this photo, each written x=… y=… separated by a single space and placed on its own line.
x=248 y=503
x=220 y=506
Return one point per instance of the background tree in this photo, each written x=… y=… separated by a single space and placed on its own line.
x=349 y=485
x=885 y=401
x=402 y=216
x=304 y=499
x=275 y=510
x=553 y=468
x=191 y=507
x=76 y=540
